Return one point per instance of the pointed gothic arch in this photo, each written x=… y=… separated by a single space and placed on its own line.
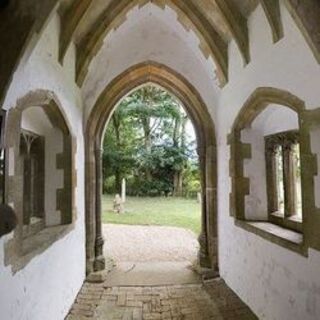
x=151 y=72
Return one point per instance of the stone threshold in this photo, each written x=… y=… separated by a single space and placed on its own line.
x=285 y=238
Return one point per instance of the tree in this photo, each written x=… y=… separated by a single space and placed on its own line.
x=179 y=142
x=146 y=142
x=119 y=148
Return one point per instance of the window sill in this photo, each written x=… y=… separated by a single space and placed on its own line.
x=296 y=219
x=288 y=223
x=35 y=245
x=286 y=238
x=277 y=215
x=43 y=239
x=35 y=226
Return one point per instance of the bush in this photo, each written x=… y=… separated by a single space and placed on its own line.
x=109 y=185
x=154 y=188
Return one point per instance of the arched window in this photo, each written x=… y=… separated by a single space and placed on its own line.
x=41 y=177
x=273 y=169
x=46 y=201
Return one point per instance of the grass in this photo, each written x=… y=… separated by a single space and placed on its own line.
x=176 y=212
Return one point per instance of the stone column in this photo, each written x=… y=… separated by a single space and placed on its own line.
x=289 y=180
x=99 y=262
x=204 y=259
x=211 y=207
x=90 y=188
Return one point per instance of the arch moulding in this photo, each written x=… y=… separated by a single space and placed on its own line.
x=141 y=74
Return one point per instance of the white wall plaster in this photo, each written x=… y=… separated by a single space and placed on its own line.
x=48 y=285
x=255 y=170
x=151 y=33
x=277 y=284
x=35 y=120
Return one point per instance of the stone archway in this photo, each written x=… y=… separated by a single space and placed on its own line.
x=150 y=72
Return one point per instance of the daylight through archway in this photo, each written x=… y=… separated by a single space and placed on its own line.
x=130 y=80
x=151 y=202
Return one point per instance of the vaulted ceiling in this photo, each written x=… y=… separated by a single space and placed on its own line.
x=215 y=22
x=151 y=33
x=88 y=22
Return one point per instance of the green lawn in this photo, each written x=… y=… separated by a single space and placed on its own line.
x=175 y=212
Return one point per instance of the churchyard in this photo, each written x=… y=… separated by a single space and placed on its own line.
x=160 y=211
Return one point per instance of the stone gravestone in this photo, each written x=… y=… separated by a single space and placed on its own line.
x=117 y=204
x=199 y=197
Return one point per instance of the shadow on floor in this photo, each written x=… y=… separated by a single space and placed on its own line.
x=210 y=301
x=152 y=274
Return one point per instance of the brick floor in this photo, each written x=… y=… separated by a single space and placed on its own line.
x=212 y=300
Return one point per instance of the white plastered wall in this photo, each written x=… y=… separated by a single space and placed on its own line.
x=48 y=285
x=277 y=284
x=151 y=34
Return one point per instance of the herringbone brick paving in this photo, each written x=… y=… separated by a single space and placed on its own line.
x=210 y=301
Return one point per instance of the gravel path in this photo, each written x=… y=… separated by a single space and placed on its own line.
x=149 y=243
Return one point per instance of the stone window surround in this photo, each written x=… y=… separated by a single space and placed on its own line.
x=308 y=120
x=3 y=118
x=287 y=219
x=19 y=251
